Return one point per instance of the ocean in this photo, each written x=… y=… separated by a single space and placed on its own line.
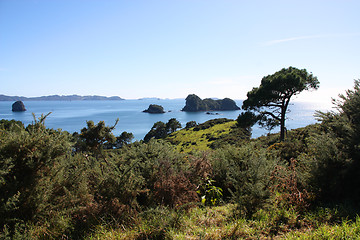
x=71 y=116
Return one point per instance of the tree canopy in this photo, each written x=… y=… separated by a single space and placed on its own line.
x=94 y=136
x=271 y=99
x=162 y=130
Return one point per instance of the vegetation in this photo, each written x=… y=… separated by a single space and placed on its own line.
x=92 y=185
x=161 y=130
x=271 y=99
x=209 y=135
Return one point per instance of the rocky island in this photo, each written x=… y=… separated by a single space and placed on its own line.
x=196 y=104
x=153 y=108
x=18 y=106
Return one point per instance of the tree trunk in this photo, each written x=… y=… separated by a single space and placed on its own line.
x=285 y=104
x=282 y=130
x=282 y=124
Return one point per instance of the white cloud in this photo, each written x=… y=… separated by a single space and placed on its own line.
x=273 y=42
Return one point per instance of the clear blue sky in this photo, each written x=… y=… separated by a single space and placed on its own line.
x=171 y=48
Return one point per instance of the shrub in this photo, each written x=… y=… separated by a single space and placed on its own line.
x=26 y=156
x=172 y=188
x=165 y=172
x=337 y=149
x=93 y=137
x=287 y=189
x=248 y=171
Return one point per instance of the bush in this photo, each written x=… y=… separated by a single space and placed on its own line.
x=287 y=189
x=166 y=174
x=248 y=171
x=26 y=157
x=337 y=150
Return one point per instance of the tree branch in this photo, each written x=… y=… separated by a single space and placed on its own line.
x=271 y=114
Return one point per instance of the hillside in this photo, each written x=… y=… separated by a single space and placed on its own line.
x=94 y=185
x=208 y=135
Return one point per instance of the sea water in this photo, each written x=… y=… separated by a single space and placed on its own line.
x=71 y=116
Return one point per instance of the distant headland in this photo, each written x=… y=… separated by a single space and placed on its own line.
x=58 y=98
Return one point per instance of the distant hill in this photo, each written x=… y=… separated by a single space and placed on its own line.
x=150 y=98
x=58 y=98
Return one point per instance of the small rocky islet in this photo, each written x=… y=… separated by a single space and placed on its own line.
x=154 y=108
x=18 y=106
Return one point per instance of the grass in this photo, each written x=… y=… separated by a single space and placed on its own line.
x=188 y=140
x=221 y=223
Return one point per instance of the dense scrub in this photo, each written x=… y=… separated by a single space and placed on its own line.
x=57 y=185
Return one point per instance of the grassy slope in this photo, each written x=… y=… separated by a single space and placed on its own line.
x=210 y=134
x=189 y=139
x=221 y=223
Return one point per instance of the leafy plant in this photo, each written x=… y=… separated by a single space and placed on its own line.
x=211 y=195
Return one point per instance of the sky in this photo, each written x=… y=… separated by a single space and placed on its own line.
x=172 y=48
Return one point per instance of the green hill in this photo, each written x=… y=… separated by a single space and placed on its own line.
x=208 y=135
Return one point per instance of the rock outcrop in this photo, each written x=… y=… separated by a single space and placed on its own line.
x=153 y=108
x=18 y=106
x=196 y=104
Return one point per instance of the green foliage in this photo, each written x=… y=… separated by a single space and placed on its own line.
x=247 y=171
x=337 y=150
x=124 y=139
x=211 y=123
x=93 y=137
x=346 y=123
x=220 y=223
x=11 y=125
x=327 y=166
x=116 y=189
x=161 y=130
x=172 y=125
x=26 y=156
x=211 y=195
x=191 y=124
x=343 y=230
x=156 y=224
x=167 y=174
x=209 y=135
x=272 y=97
x=158 y=131
x=246 y=120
